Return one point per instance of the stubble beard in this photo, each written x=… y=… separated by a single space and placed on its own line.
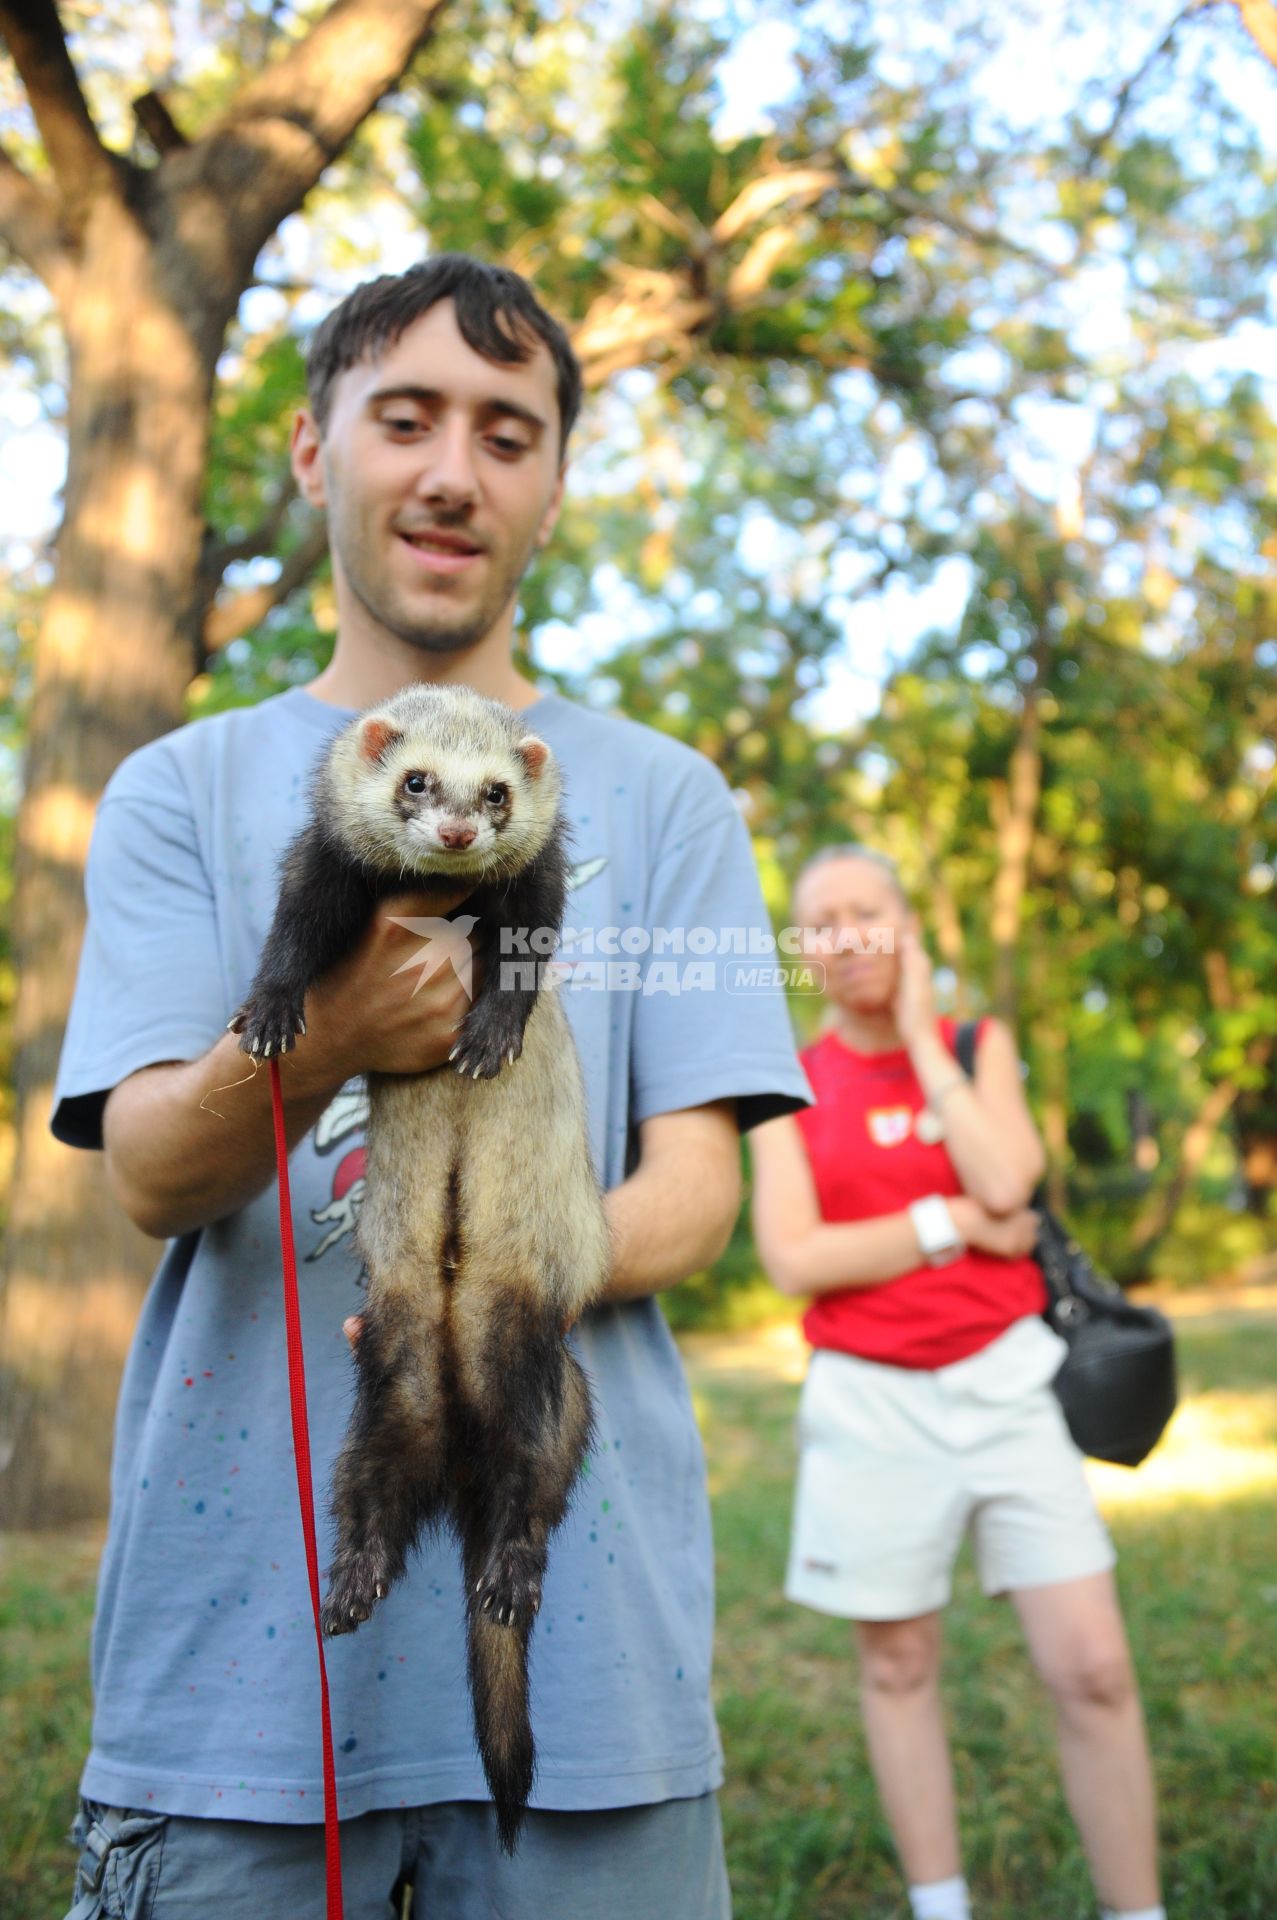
x=444 y=629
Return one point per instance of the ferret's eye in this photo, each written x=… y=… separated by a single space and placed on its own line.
x=497 y=794
x=415 y=783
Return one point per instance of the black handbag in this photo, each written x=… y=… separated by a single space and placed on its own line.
x=1117 y=1383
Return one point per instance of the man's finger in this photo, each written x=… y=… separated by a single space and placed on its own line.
x=353 y=1328
x=426 y=902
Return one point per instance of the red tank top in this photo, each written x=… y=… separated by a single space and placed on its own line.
x=867 y=1160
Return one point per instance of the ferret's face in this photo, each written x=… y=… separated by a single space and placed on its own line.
x=430 y=808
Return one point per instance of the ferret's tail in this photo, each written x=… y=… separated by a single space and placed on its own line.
x=503 y=1728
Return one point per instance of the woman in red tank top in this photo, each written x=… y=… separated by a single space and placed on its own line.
x=900 y=1204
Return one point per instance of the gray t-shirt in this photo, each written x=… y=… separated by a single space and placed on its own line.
x=204 y=1662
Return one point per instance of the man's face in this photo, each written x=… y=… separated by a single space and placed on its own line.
x=441 y=477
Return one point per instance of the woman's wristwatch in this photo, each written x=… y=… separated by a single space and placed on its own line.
x=937 y=1233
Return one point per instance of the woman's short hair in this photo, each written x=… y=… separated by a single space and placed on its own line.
x=851 y=850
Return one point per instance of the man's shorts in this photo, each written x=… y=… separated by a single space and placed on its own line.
x=896 y=1464
x=631 y=1863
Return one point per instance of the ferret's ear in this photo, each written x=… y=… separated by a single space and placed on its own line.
x=534 y=753
x=375 y=738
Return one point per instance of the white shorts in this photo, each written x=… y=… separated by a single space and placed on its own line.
x=896 y=1464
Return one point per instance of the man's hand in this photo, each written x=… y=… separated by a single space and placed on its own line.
x=1009 y=1235
x=367 y=1016
x=188 y=1142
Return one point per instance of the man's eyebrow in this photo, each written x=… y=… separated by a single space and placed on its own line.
x=429 y=396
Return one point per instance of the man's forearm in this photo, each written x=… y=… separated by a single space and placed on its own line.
x=188 y=1143
x=671 y=1218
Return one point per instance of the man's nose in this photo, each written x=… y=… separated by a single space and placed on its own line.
x=449 y=476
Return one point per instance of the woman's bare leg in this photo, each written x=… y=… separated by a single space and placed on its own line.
x=1078 y=1645
x=908 y=1746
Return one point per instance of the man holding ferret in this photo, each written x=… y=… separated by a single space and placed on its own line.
x=439 y=409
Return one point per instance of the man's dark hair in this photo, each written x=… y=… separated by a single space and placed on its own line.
x=497 y=313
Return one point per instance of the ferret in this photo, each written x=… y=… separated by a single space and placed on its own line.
x=482 y=1229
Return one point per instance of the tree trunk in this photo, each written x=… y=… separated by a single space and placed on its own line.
x=111 y=671
x=1014 y=804
x=1052 y=1053
x=1158 y=1214
x=147 y=265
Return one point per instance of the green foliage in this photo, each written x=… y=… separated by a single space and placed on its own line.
x=896 y=370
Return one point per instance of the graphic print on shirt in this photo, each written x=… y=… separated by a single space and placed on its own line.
x=889 y=1126
x=347 y=1115
x=344 y=1115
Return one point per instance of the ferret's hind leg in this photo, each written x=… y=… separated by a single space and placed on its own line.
x=527 y=1439
x=532 y=1456
x=389 y=1483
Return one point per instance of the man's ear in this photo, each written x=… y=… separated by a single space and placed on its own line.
x=305 y=453
x=550 y=518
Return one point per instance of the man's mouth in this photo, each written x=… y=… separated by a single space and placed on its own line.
x=440 y=552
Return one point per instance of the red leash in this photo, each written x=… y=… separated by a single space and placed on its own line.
x=305 y=1489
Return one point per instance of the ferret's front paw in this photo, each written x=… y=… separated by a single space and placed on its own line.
x=489 y=1041
x=509 y=1588
x=356 y=1587
x=268 y=1026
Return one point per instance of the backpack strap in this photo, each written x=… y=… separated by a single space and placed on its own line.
x=964 y=1046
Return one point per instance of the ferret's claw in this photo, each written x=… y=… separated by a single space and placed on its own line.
x=301 y=1026
x=510 y=1058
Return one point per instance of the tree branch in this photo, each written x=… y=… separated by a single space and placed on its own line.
x=158 y=124
x=29 y=225
x=261 y=540
x=226 y=620
x=287 y=125
x=1259 y=17
x=80 y=164
x=1130 y=86
x=769 y=191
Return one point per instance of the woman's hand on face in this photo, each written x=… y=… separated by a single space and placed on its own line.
x=914 y=1006
x=1009 y=1235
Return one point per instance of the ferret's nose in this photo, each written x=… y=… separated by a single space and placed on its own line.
x=456 y=834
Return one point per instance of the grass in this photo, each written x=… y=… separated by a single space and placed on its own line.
x=1197 y=1531
x=46 y=1609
